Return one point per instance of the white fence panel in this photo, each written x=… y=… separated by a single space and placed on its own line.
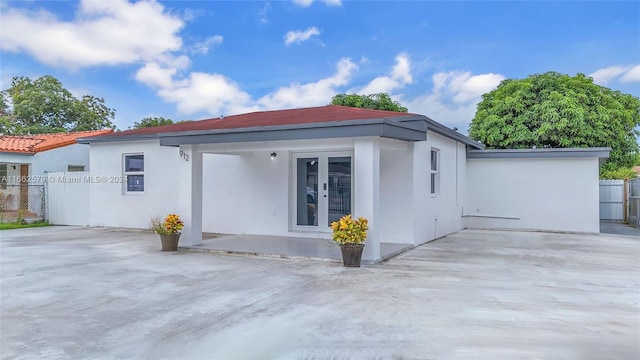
x=68 y=198
x=612 y=200
x=634 y=202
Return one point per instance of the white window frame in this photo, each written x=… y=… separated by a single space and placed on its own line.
x=434 y=174
x=126 y=174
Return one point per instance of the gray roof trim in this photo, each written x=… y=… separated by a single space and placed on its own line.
x=115 y=138
x=600 y=152
x=409 y=128
x=450 y=133
x=18 y=153
x=383 y=128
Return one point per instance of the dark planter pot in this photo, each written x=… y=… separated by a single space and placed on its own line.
x=170 y=242
x=351 y=254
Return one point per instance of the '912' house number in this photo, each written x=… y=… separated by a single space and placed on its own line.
x=184 y=155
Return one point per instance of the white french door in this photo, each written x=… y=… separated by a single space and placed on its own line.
x=322 y=189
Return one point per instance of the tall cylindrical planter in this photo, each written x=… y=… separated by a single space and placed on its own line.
x=170 y=242
x=351 y=254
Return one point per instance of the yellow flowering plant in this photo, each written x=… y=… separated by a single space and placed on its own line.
x=172 y=224
x=349 y=231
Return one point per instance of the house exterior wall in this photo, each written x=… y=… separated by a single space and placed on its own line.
x=54 y=160
x=439 y=215
x=246 y=194
x=396 y=186
x=558 y=194
x=111 y=206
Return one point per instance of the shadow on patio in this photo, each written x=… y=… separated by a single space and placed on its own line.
x=282 y=247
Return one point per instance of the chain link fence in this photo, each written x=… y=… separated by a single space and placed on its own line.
x=20 y=203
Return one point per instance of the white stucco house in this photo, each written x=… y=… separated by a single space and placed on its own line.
x=25 y=160
x=292 y=172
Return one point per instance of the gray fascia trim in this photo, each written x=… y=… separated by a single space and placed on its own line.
x=601 y=153
x=450 y=133
x=395 y=120
x=115 y=138
x=18 y=153
x=383 y=128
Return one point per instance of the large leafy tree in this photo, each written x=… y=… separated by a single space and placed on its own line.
x=44 y=105
x=151 y=122
x=380 y=101
x=554 y=110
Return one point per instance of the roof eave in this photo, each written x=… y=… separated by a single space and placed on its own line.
x=386 y=127
x=601 y=153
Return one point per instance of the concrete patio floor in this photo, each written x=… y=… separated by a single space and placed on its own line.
x=78 y=293
x=282 y=246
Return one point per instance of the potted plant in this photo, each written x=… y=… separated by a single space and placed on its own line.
x=169 y=231
x=350 y=234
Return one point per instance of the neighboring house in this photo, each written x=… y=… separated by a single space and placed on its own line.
x=27 y=159
x=292 y=172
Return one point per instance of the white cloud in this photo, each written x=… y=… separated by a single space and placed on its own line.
x=160 y=73
x=310 y=94
x=300 y=35
x=307 y=3
x=102 y=33
x=211 y=93
x=632 y=75
x=215 y=94
x=399 y=76
x=603 y=76
x=203 y=47
x=453 y=99
x=263 y=14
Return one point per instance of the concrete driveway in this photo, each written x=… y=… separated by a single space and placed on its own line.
x=110 y=293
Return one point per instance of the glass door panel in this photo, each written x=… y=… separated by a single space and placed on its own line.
x=339 y=187
x=307 y=191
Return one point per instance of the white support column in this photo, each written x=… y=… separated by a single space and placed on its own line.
x=190 y=194
x=367 y=192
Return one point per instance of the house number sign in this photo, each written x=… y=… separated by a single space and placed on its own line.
x=184 y=155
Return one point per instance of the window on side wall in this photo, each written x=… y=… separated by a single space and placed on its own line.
x=134 y=173
x=435 y=172
x=75 y=168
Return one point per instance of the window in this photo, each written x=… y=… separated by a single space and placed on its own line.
x=75 y=168
x=3 y=176
x=435 y=173
x=134 y=172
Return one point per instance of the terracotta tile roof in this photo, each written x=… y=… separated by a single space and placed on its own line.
x=319 y=114
x=31 y=144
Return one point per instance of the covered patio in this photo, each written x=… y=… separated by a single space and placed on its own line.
x=280 y=185
x=283 y=247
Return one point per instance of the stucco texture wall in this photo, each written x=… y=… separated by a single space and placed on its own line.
x=441 y=214
x=536 y=194
x=111 y=206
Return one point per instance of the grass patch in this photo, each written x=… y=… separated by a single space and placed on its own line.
x=14 y=225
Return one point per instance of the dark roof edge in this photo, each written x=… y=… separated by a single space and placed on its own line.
x=116 y=138
x=387 y=120
x=17 y=152
x=599 y=152
x=438 y=128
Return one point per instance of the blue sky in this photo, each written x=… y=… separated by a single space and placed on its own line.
x=200 y=59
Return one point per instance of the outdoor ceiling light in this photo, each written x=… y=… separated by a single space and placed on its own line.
x=273 y=155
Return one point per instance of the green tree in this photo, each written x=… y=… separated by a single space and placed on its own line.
x=44 y=105
x=380 y=101
x=151 y=122
x=553 y=110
